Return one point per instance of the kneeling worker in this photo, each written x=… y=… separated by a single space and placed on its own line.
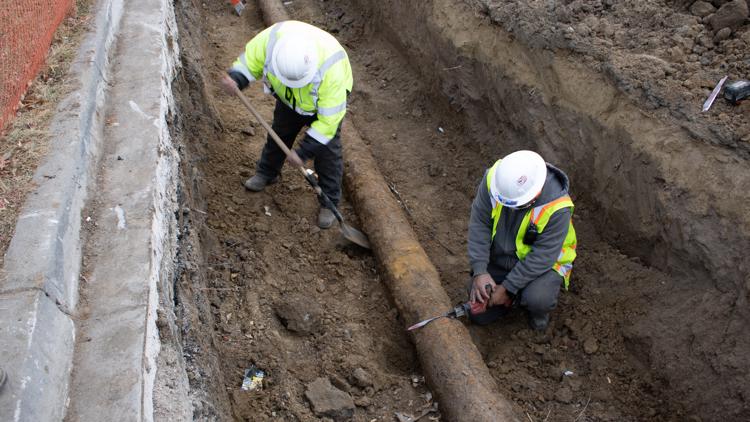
x=309 y=73
x=521 y=239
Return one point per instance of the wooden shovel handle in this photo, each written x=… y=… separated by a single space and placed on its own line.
x=273 y=134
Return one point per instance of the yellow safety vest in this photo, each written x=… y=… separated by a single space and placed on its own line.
x=325 y=96
x=540 y=215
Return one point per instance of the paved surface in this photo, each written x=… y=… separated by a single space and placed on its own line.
x=122 y=176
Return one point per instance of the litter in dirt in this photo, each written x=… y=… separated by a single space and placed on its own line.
x=253 y=379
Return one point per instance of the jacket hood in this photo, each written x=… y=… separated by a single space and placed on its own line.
x=555 y=186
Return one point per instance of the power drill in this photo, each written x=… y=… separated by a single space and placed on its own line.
x=737 y=91
x=463 y=309
x=475 y=308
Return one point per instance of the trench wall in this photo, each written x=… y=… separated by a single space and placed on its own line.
x=656 y=193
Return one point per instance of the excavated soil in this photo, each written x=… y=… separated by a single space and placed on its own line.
x=260 y=285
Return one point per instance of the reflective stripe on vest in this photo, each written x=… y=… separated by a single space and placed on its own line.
x=316 y=81
x=540 y=216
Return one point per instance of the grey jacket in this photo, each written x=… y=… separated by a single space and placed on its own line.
x=502 y=251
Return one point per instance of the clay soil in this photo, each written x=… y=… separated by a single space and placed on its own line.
x=262 y=285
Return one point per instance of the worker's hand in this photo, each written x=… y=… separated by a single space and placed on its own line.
x=294 y=159
x=479 y=291
x=500 y=297
x=229 y=85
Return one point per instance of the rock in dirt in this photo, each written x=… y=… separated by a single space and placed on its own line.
x=299 y=315
x=339 y=382
x=250 y=131
x=590 y=346
x=564 y=395
x=723 y=34
x=361 y=378
x=363 y=401
x=730 y=15
x=702 y=9
x=327 y=400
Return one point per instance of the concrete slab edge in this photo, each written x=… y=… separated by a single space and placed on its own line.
x=43 y=260
x=164 y=224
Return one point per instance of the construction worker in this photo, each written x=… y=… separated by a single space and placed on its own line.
x=521 y=239
x=309 y=73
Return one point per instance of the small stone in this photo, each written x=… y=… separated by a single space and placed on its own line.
x=327 y=400
x=363 y=401
x=299 y=315
x=590 y=346
x=702 y=9
x=722 y=34
x=564 y=395
x=361 y=378
x=249 y=131
x=340 y=382
x=730 y=15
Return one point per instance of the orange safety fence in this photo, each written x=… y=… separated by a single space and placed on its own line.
x=26 y=31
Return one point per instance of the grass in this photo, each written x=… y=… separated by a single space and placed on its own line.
x=26 y=140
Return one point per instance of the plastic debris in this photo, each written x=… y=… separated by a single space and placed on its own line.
x=568 y=373
x=253 y=379
x=441 y=130
x=266 y=210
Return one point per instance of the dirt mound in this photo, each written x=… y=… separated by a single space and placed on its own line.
x=667 y=57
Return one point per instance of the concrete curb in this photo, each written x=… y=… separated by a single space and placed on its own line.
x=131 y=238
x=40 y=280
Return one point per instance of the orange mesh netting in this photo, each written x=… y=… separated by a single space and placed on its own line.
x=26 y=30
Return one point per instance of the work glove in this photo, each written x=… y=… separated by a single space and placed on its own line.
x=239 y=79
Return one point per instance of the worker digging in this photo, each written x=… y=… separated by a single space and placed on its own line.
x=308 y=73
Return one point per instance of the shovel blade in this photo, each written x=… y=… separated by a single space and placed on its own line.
x=355 y=236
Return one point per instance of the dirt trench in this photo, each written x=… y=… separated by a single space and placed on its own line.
x=253 y=265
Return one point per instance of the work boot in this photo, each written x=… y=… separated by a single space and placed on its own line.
x=325 y=218
x=257 y=183
x=539 y=322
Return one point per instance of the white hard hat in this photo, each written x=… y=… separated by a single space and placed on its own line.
x=294 y=60
x=518 y=179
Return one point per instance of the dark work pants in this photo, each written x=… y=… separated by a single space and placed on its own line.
x=328 y=161
x=539 y=297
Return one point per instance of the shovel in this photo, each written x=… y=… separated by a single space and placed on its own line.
x=349 y=232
